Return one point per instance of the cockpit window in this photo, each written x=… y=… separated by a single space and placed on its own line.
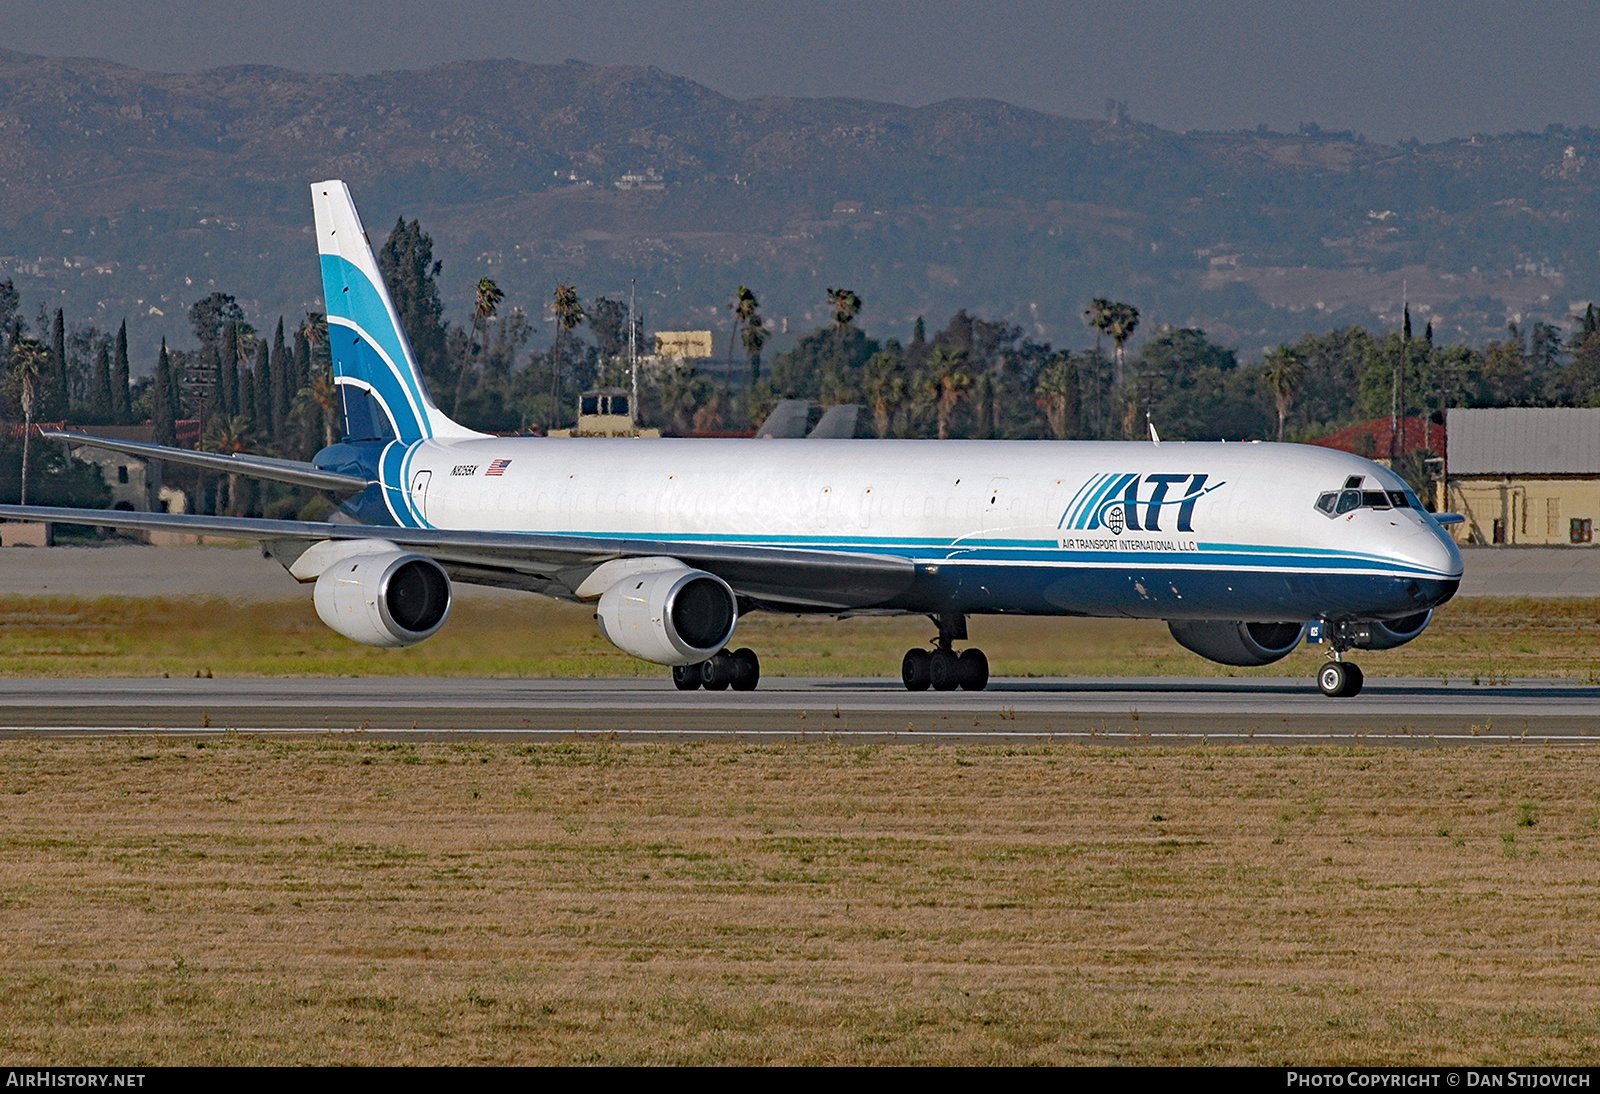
x=1352 y=497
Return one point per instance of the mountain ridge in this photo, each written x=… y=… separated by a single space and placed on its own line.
x=124 y=191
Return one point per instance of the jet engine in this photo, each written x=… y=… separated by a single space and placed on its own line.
x=390 y=598
x=675 y=616
x=1386 y=634
x=1234 y=643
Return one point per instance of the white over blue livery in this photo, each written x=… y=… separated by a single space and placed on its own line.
x=1239 y=547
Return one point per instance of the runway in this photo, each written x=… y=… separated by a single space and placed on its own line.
x=1167 y=710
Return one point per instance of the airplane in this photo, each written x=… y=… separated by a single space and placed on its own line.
x=1244 y=549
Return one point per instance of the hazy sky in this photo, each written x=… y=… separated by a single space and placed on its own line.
x=1381 y=67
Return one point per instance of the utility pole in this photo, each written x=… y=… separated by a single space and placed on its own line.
x=633 y=355
x=1399 y=371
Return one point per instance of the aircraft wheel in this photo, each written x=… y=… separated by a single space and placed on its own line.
x=944 y=670
x=717 y=673
x=686 y=677
x=914 y=670
x=1354 y=678
x=1340 y=680
x=746 y=669
x=973 y=670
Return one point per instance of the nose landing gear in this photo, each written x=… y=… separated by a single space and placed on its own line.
x=1340 y=679
x=942 y=668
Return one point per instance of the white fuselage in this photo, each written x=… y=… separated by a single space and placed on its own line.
x=999 y=506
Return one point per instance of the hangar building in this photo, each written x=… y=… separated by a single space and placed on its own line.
x=1525 y=476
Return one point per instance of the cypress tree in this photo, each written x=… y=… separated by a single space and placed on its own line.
x=280 y=392
x=162 y=416
x=57 y=400
x=100 y=386
x=262 y=403
x=247 y=399
x=302 y=360
x=120 y=400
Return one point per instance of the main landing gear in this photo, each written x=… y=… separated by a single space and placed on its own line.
x=942 y=668
x=737 y=669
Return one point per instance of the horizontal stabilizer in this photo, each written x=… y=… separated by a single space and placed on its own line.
x=293 y=472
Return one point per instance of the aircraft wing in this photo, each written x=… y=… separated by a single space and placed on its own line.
x=257 y=467
x=553 y=565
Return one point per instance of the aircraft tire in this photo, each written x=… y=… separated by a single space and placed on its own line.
x=914 y=670
x=746 y=669
x=717 y=673
x=1354 y=678
x=944 y=670
x=1340 y=680
x=973 y=670
x=686 y=677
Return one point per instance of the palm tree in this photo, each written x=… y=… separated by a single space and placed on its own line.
x=1117 y=321
x=28 y=361
x=744 y=309
x=947 y=380
x=846 y=305
x=489 y=297
x=228 y=436
x=569 y=313
x=1057 y=389
x=884 y=387
x=755 y=336
x=324 y=393
x=1284 y=368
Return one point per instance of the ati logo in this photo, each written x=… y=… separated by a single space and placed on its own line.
x=1134 y=502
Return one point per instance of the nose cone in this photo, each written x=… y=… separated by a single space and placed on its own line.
x=1430 y=549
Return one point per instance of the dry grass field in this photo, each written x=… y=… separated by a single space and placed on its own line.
x=248 y=900
x=1484 y=639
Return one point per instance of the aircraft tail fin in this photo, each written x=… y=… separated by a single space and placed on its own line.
x=382 y=389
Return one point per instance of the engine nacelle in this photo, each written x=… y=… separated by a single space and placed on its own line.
x=1385 y=634
x=1235 y=643
x=674 y=616
x=390 y=598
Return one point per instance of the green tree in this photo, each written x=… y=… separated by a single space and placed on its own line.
x=945 y=383
x=281 y=390
x=487 y=300
x=100 y=386
x=883 y=385
x=411 y=274
x=1056 y=387
x=210 y=314
x=121 y=401
x=1116 y=321
x=569 y=313
x=1283 y=369
x=29 y=361
x=55 y=400
x=163 y=407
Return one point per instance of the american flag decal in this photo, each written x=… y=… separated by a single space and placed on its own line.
x=498 y=468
